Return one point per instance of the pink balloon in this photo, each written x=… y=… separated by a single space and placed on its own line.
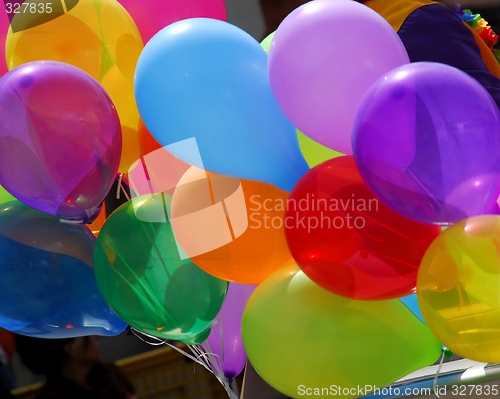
x=323 y=58
x=151 y=16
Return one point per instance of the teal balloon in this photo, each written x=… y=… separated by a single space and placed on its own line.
x=207 y=79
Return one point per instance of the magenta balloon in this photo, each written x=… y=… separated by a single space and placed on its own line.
x=323 y=58
x=60 y=139
x=427 y=143
x=151 y=16
x=233 y=357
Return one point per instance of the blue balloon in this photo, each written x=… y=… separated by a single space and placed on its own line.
x=47 y=285
x=411 y=303
x=207 y=79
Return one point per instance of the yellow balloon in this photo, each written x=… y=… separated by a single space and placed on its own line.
x=458 y=288
x=98 y=36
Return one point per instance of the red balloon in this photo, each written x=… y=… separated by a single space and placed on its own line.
x=347 y=241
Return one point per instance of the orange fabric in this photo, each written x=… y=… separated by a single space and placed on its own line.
x=488 y=58
x=395 y=12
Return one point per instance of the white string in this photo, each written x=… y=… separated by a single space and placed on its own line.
x=202 y=356
x=119 y=185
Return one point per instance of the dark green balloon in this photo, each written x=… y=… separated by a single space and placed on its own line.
x=143 y=278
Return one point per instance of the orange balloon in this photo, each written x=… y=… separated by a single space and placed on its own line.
x=231 y=228
x=147 y=143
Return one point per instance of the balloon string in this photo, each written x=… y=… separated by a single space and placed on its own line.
x=119 y=177
x=200 y=357
x=434 y=386
x=234 y=386
x=125 y=192
x=215 y=368
x=120 y=186
x=221 y=338
x=97 y=227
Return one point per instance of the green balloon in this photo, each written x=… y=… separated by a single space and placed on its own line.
x=5 y=196
x=313 y=152
x=298 y=335
x=142 y=277
x=266 y=43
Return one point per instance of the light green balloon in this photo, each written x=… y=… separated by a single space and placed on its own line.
x=313 y=152
x=266 y=43
x=5 y=196
x=296 y=333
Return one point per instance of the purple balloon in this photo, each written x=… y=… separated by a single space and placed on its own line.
x=323 y=58
x=60 y=139
x=231 y=356
x=427 y=143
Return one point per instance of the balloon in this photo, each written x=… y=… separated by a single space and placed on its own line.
x=60 y=139
x=458 y=285
x=313 y=152
x=48 y=288
x=427 y=143
x=231 y=228
x=298 y=335
x=319 y=74
x=147 y=143
x=225 y=340
x=411 y=302
x=96 y=226
x=99 y=37
x=5 y=196
x=153 y=15
x=348 y=242
x=266 y=43
x=206 y=80
x=143 y=278
x=159 y=167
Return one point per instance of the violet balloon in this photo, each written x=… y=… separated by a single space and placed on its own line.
x=323 y=58
x=60 y=139
x=427 y=143
x=151 y=16
x=225 y=340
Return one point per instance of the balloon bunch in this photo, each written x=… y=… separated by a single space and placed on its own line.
x=69 y=123
x=223 y=197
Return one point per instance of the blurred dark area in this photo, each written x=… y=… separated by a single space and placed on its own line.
x=275 y=11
